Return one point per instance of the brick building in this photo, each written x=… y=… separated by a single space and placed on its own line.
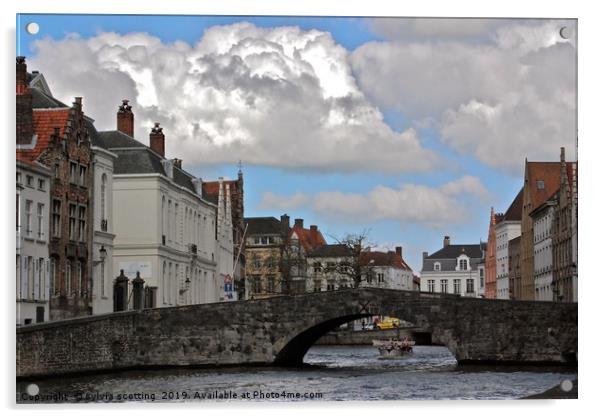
x=541 y=181
x=564 y=275
x=56 y=135
x=490 y=257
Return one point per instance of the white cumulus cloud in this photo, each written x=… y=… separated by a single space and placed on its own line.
x=413 y=203
x=281 y=97
x=500 y=90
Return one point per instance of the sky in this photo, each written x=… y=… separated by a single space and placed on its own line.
x=409 y=129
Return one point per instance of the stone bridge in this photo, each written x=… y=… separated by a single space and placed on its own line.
x=281 y=329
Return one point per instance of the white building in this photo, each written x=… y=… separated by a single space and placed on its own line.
x=505 y=230
x=387 y=270
x=32 y=264
x=165 y=230
x=379 y=269
x=102 y=244
x=543 y=217
x=453 y=269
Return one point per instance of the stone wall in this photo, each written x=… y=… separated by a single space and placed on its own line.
x=281 y=329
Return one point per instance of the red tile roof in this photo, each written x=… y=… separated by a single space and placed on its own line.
x=390 y=258
x=212 y=187
x=44 y=122
x=309 y=238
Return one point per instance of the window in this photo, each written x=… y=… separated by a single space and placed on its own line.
x=57 y=170
x=330 y=285
x=481 y=277
x=40 y=220
x=56 y=218
x=437 y=266
x=73 y=173
x=271 y=287
x=540 y=184
x=82 y=175
x=103 y=291
x=18 y=214
x=256 y=284
x=68 y=277
x=29 y=181
x=72 y=215
x=463 y=264
x=41 y=184
x=317 y=285
x=317 y=267
x=470 y=286
x=380 y=277
x=28 y=215
x=457 y=286
x=82 y=224
x=431 y=286
x=256 y=262
x=103 y=198
x=80 y=279
x=444 y=286
x=54 y=278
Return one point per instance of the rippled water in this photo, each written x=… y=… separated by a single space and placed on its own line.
x=335 y=373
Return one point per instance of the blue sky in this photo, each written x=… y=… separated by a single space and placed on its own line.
x=444 y=138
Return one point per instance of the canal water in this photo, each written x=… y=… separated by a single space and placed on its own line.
x=333 y=373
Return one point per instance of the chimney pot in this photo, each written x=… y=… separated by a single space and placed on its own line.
x=446 y=241
x=157 y=140
x=313 y=227
x=398 y=251
x=299 y=222
x=125 y=118
x=425 y=254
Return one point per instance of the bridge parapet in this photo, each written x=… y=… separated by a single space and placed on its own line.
x=281 y=329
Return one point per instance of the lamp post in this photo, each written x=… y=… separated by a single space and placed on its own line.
x=103 y=256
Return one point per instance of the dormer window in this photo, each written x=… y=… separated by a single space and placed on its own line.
x=540 y=184
x=463 y=264
x=437 y=266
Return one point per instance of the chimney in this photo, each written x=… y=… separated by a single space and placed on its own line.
x=157 y=140
x=445 y=241
x=299 y=222
x=24 y=107
x=77 y=104
x=562 y=157
x=398 y=251
x=285 y=224
x=313 y=228
x=425 y=254
x=125 y=118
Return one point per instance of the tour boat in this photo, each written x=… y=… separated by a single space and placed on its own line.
x=394 y=348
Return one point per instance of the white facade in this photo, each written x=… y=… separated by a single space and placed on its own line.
x=462 y=280
x=504 y=232
x=169 y=234
x=102 y=268
x=542 y=251
x=481 y=280
x=32 y=228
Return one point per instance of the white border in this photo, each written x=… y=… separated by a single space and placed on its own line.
x=589 y=191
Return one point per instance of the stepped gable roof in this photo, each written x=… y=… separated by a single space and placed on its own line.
x=549 y=173
x=263 y=225
x=331 y=250
x=44 y=123
x=308 y=238
x=381 y=258
x=453 y=251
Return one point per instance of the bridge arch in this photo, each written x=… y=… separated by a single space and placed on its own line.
x=280 y=330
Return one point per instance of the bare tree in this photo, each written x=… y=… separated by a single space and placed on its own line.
x=354 y=267
x=293 y=264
